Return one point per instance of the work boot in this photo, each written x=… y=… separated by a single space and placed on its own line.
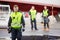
x=36 y=29
x=44 y=29
x=31 y=29
x=47 y=29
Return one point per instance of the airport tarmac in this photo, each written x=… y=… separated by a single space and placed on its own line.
x=53 y=31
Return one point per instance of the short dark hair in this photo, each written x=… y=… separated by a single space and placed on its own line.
x=15 y=6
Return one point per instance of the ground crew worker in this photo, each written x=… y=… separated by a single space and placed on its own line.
x=15 y=23
x=33 y=13
x=46 y=20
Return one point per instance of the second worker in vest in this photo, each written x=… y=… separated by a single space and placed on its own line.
x=15 y=23
x=33 y=13
x=46 y=20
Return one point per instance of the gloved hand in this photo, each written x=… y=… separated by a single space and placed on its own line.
x=9 y=30
x=23 y=29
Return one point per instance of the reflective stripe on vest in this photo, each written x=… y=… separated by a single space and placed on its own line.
x=16 y=19
x=33 y=14
x=45 y=13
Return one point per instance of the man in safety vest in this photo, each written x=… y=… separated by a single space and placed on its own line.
x=15 y=24
x=33 y=13
x=46 y=20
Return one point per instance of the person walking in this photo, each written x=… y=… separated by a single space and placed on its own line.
x=46 y=20
x=32 y=14
x=16 y=21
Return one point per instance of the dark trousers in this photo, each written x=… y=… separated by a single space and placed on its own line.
x=33 y=24
x=46 y=22
x=16 y=33
x=45 y=25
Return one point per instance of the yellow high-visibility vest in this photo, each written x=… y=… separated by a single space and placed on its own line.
x=16 y=20
x=33 y=14
x=45 y=13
